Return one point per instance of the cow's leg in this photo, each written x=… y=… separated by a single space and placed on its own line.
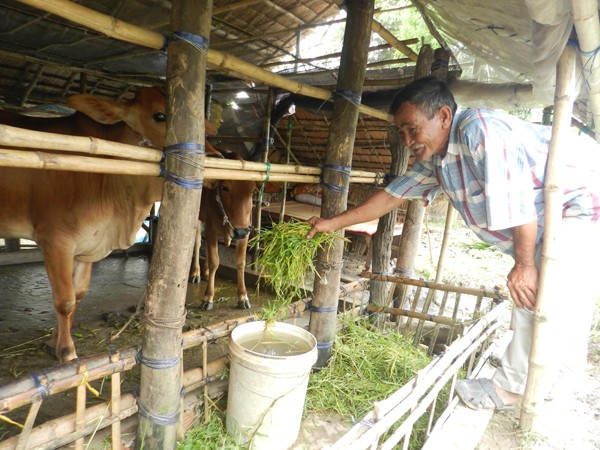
x=240 y=265
x=212 y=261
x=82 y=273
x=195 y=272
x=59 y=263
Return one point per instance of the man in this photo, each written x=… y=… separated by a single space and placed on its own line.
x=492 y=167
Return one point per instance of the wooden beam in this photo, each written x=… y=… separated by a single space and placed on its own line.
x=233 y=6
x=396 y=43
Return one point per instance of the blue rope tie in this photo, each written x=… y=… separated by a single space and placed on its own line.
x=324 y=345
x=184 y=152
x=338 y=189
x=402 y=271
x=43 y=389
x=158 y=419
x=157 y=364
x=198 y=42
x=348 y=95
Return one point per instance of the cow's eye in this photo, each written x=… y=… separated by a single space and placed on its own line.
x=224 y=188
x=159 y=117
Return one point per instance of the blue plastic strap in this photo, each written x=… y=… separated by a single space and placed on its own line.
x=158 y=364
x=197 y=41
x=42 y=388
x=402 y=271
x=324 y=345
x=158 y=419
x=348 y=95
x=182 y=151
x=338 y=189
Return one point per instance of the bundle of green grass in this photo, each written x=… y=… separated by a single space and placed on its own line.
x=286 y=258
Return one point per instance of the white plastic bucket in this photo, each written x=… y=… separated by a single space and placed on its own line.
x=267 y=384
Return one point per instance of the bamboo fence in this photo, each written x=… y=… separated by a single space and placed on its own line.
x=132 y=160
x=204 y=382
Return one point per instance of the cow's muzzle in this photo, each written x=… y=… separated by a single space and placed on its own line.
x=240 y=233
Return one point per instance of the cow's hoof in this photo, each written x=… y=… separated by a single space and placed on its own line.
x=244 y=304
x=195 y=279
x=206 y=306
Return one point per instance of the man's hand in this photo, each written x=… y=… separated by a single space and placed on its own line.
x=319 y=225
x=522 y=284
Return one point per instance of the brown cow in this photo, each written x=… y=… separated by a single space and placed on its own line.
x=226 y=211
x=79 y=218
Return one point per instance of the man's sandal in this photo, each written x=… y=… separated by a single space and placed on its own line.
x=479 y=393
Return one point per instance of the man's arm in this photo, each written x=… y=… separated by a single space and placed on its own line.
x=372 y=208
x=523 y=278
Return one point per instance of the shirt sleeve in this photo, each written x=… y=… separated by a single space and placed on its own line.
x=417 y=183
x=498 y=149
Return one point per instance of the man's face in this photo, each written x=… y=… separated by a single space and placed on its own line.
x=423 y=136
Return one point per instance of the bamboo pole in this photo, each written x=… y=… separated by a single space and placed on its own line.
x=383 y=237
x=19 y=137
x=416 y=315
x=120 y=30
x=498 y=292
x=585 y=18
x=161 y=381
x=546 y=313
x=342 y=132
x=389 y=37
x=450 y=216
x=237 y=171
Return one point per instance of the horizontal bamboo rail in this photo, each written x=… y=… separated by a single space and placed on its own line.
x=31 y=139
x=19 y=137
x=214 y=168
x=133 y=34
x=417 y=315
x=499 y=293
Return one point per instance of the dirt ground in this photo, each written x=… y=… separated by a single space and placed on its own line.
x=26 y=317
x=568 y=421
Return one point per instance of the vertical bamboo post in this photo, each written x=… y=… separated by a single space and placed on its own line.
x=450 y=216
x=411 y=230
x=353 y=64
x=288 y=150
x=547 y=305
x=159 y=403
x=264 y=157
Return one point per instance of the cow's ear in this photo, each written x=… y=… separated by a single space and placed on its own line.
x=103 y=111
x=210 y=184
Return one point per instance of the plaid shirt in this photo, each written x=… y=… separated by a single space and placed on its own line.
x=494 y=171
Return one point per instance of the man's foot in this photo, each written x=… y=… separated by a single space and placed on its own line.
x=482 y=393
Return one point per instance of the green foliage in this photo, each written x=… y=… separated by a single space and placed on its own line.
x=209 y=436
x=286 y=257
x=366 y=365
x=480 y=246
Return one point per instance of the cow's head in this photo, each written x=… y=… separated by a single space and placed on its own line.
x=234 y=200
x=145 y=114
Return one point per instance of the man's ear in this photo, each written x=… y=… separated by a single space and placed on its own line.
x=445 y=116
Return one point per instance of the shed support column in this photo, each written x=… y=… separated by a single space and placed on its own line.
x=162 y=366
x=382 y=239
x=353 y=64
x=549 y=302
x=413 y=223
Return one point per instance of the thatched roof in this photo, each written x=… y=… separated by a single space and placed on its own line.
x=45 y=58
